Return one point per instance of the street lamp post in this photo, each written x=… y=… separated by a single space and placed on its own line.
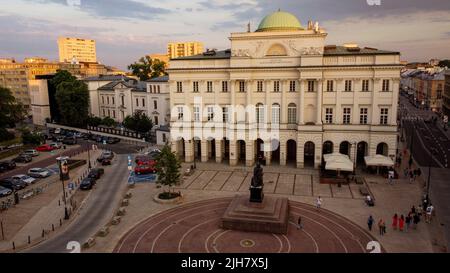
x=62 y=172
x=354 y=144
x=88 y=148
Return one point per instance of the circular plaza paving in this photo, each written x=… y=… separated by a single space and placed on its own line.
x=194 y=227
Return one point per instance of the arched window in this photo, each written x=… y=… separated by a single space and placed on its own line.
x=260 y=113
x=275 y=113
x=292 y=113
x=276 y=50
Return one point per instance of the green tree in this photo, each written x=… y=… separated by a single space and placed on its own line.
x=11 y=112
x=94 y=121
x=73 y=102
x=142 y=68
x=168 y=169
x=444 y=63
x=138 y=122
x=158 y=68
x=32 y=137
x=107 y=121
x=62 y=76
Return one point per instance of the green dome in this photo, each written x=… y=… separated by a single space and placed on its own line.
x=279 y=21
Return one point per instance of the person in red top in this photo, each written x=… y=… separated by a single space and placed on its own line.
x=394 y=222
x=401 y=222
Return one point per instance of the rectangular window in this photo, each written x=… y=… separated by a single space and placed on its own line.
x=179 y=87
x=292 y=115
x=225 y=114
x=143 y=102
x=276 y=114
x=328 y=115
x=137 y=102
x=365 y=86
x=123 y=100
x=103 y=110
x=385 y=87
x=210 y=110
x=114 y=113
x=112 y=100
x=180 y=112
x=163 y=135
x=103 y=100
x=155 y=104
x=241 y=86
x=363 y=115
x=209 y=86
x=109 y=113
x=156 y=122
x=259 y=86
x=384 y=116
x=196 y=113
x=347 y=116
x=276 y=86
x=311 y=86
x=292 y=86
x=107 y=99
x=348 y=86
x=195 y=87
x=330 y=85
x=224 y=86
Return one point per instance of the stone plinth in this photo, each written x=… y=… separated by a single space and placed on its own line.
x=272 y=215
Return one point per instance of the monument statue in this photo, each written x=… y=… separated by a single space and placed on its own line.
x=257 y=185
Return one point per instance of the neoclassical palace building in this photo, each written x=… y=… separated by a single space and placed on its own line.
x=302 y=98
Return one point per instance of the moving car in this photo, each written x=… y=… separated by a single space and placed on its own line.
x=96 y=173
x=31 y=152
x=8 y=164
x=57 y=131
x=38 y=172
x=4 y=191
x=106 y=154
x=44 y=148
x=87 y=183
x=145 y=168
x=12 y=184
x=106 y=161
x=23 y=158
x=70 y=140
x=24 y=178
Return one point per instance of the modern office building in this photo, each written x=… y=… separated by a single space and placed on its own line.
x=73 y=50
x=183 y=49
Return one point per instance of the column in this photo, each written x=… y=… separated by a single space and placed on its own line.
x=283 y=152
x=283 y=108
x=318 y=154
x=233 y=153
x=174 y=148
x=393 y=110
x=189 y=153
x=219 y=150
x=268 y=151
x=300 y=153
x=204 y=150
x=249 y=153
x=319 y=103
x=352 y=151
x=300 y=107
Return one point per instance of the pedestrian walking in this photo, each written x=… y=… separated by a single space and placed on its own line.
x=299 y=223
x=401 y=222
x=425 y=202
x=413 y=209
x=419 y=211
x=419 y=172
x=407 y=222
x=410 y=162
x=411 y=177
x=319 y=202
x=381 y=227
x=406 y=172
x=394 y=221
x=370 y=222
x=416 y=220
x=429 y=213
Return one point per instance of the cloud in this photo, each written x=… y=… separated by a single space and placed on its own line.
x=116 y=9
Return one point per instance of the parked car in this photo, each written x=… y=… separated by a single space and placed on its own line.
x=38 y=172
x=141 y=159
x=12 y=184
x=55 y=145
x=106 y=154
x=45 y=148
x=8 y=164
x=99 y=139
x=145 y=168
x=57 y=131
x=31 y=152
x=77 y=134
x=106 y=161
x=23 y=158
x=71 y=140
x=4 y=191
x=87 y=183
x=3 y=168
x=96 y=173
x=24 y=178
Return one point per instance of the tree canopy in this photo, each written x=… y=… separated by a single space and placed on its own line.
x=11 y=112
x=168 y=168
x=72 y=97
x=444 y=63
x=138 y=122
x=146 y=68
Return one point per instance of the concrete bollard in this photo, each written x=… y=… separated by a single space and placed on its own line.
x=125 y=202
x=89 y=243
x=29 y=239
x=103 y=232
x=121 y=211
x=53 y=227
x=128 y=195
x=43 y=233
x=116 y=220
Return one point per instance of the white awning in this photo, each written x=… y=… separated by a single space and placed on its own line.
x=334 y=156
x=339 y=164
x=378 y=160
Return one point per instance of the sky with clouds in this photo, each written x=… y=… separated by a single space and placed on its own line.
x=127 y=29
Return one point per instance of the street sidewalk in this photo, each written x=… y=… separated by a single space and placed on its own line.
x=50 y=216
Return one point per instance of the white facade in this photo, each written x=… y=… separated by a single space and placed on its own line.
x=119 y=96
x=40 y=106
x=314 y=93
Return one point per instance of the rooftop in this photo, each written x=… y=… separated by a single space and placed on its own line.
x=159 y=79
x=108 y=78
x=279 y=21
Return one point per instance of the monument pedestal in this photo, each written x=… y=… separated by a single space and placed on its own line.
x=271 y=215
